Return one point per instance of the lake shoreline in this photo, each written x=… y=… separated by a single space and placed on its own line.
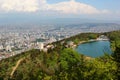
x=89 y=41
x=96 y=49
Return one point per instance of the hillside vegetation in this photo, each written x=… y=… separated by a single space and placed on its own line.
x=63 y=63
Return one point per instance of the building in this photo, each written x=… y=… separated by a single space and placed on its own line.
x=40 y=45
x=1 y=47
x=8 y=48
x=70 y=44
x=102 y=37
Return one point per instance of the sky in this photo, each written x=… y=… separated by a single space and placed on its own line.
x=46 y=10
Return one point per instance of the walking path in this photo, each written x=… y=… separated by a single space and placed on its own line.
x=16 y=66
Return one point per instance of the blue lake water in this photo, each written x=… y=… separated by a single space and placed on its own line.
x=94 y=49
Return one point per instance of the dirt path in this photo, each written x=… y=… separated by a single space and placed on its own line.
x=16 y=66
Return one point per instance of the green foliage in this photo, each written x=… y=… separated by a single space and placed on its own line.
x=116 y=56
x=115 y=45
x=63 y=63
x=92 y=36
x=114 y=35
x=76 y=41
x=83 y=37
x=68 y=58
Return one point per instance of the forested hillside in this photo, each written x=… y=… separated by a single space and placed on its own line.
x=62 y=63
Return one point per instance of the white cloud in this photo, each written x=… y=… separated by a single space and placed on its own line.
x=66 y=7
x=21 y=5
x=73 y=7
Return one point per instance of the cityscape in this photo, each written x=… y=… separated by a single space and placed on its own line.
x=59 y=39
x=15 y=40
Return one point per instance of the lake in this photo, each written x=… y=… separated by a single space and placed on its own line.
x=94 y=49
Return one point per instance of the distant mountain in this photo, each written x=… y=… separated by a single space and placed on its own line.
x=93 y=25
x=38 y=20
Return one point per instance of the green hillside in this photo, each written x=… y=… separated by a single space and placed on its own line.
x=63 y=63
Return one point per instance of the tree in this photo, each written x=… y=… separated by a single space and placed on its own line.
x=116 y=56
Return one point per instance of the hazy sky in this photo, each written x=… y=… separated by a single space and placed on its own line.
x=23 y=10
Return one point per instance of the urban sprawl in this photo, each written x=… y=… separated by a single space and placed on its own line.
x=15 y=39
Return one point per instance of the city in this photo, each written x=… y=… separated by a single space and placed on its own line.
x=59 y=39
x=15 y=40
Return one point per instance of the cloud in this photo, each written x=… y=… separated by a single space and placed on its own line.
x=74 y=7
x=66 y=7
x=21 y=5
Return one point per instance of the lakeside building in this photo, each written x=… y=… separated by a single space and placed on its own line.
x=102 y=37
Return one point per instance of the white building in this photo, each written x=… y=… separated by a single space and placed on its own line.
x=40 y=45
x=102 y=37
x=1 y=47
x=8 y=48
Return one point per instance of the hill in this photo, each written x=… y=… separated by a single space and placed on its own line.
x=63 y=63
